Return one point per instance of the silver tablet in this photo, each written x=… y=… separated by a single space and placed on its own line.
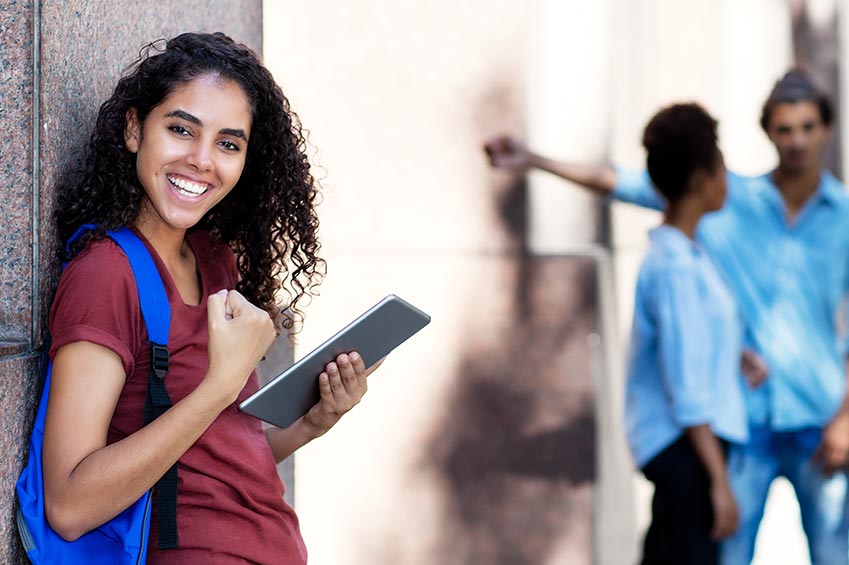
x=379 y=330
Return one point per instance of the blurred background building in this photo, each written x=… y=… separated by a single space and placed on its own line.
x=494 y=435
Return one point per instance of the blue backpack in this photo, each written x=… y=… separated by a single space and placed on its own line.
x=123 y=539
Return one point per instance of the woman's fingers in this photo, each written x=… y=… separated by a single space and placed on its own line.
x=341 y=386
x=324 y=386
x=360 y=370
x=215 y=305
x=237 y=304
x=239 y=335
x=336 y=385
x=348 y=369
x=346 y=380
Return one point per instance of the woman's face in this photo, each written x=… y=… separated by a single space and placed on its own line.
x=190 y=151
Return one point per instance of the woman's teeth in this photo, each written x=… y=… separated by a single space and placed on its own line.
x=188 y=188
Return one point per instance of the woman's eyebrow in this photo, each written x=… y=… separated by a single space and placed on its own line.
x=234 y=133
x=183 y=115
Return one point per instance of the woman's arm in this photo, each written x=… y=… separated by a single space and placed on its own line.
x=725 y=514
x=341 y=387
x=88 y=482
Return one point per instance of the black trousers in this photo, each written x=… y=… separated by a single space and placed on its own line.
x=682 y=514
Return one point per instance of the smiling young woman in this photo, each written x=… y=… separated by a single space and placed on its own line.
x=199 y=154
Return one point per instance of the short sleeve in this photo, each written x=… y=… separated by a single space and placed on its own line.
x=684 y=346
x=97 y=301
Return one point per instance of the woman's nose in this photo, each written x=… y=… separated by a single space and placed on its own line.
x=200 y=157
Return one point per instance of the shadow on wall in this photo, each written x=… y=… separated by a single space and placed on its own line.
x=514 y=452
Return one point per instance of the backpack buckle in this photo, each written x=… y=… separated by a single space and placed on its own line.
x=159 y=359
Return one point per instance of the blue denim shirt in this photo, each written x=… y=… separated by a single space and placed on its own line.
x=789 y=280
x=686 y=342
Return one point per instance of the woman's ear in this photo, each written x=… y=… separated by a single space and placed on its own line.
x=132 y=131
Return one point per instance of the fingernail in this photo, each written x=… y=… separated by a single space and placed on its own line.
x=354 y=357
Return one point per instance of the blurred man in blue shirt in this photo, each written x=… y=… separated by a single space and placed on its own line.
x=782 y=244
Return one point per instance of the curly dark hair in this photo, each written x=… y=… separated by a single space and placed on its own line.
x=796 y=86
x=680 y=140
x=268 y=218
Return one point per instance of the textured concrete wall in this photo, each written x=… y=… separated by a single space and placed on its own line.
x=16 y=167
x=17 y=363
x=59 y=61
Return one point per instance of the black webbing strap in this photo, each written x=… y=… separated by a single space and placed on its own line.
x=157 y=402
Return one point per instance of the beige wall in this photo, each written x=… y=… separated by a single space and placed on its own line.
x=470 y=447
x=398 y=96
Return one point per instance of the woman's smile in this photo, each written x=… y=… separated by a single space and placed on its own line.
x=186 y=187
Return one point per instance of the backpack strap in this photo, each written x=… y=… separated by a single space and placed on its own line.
x=156 y=312
x=157 y=318
x=154 y=302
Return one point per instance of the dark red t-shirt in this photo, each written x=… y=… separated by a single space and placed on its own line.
x=230 y=506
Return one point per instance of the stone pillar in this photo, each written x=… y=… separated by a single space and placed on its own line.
x=842 y=94
x=569 y=117
x=816 y=48
x=59 y=61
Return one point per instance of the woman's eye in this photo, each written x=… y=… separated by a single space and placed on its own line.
x=179 y=130
x=229 y=145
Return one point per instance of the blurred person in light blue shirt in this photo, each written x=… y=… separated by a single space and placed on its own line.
x=684 y=397
x=781 y=242
x=684 y=401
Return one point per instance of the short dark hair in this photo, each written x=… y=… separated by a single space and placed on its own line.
x=680 y=140
x=796 y=86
